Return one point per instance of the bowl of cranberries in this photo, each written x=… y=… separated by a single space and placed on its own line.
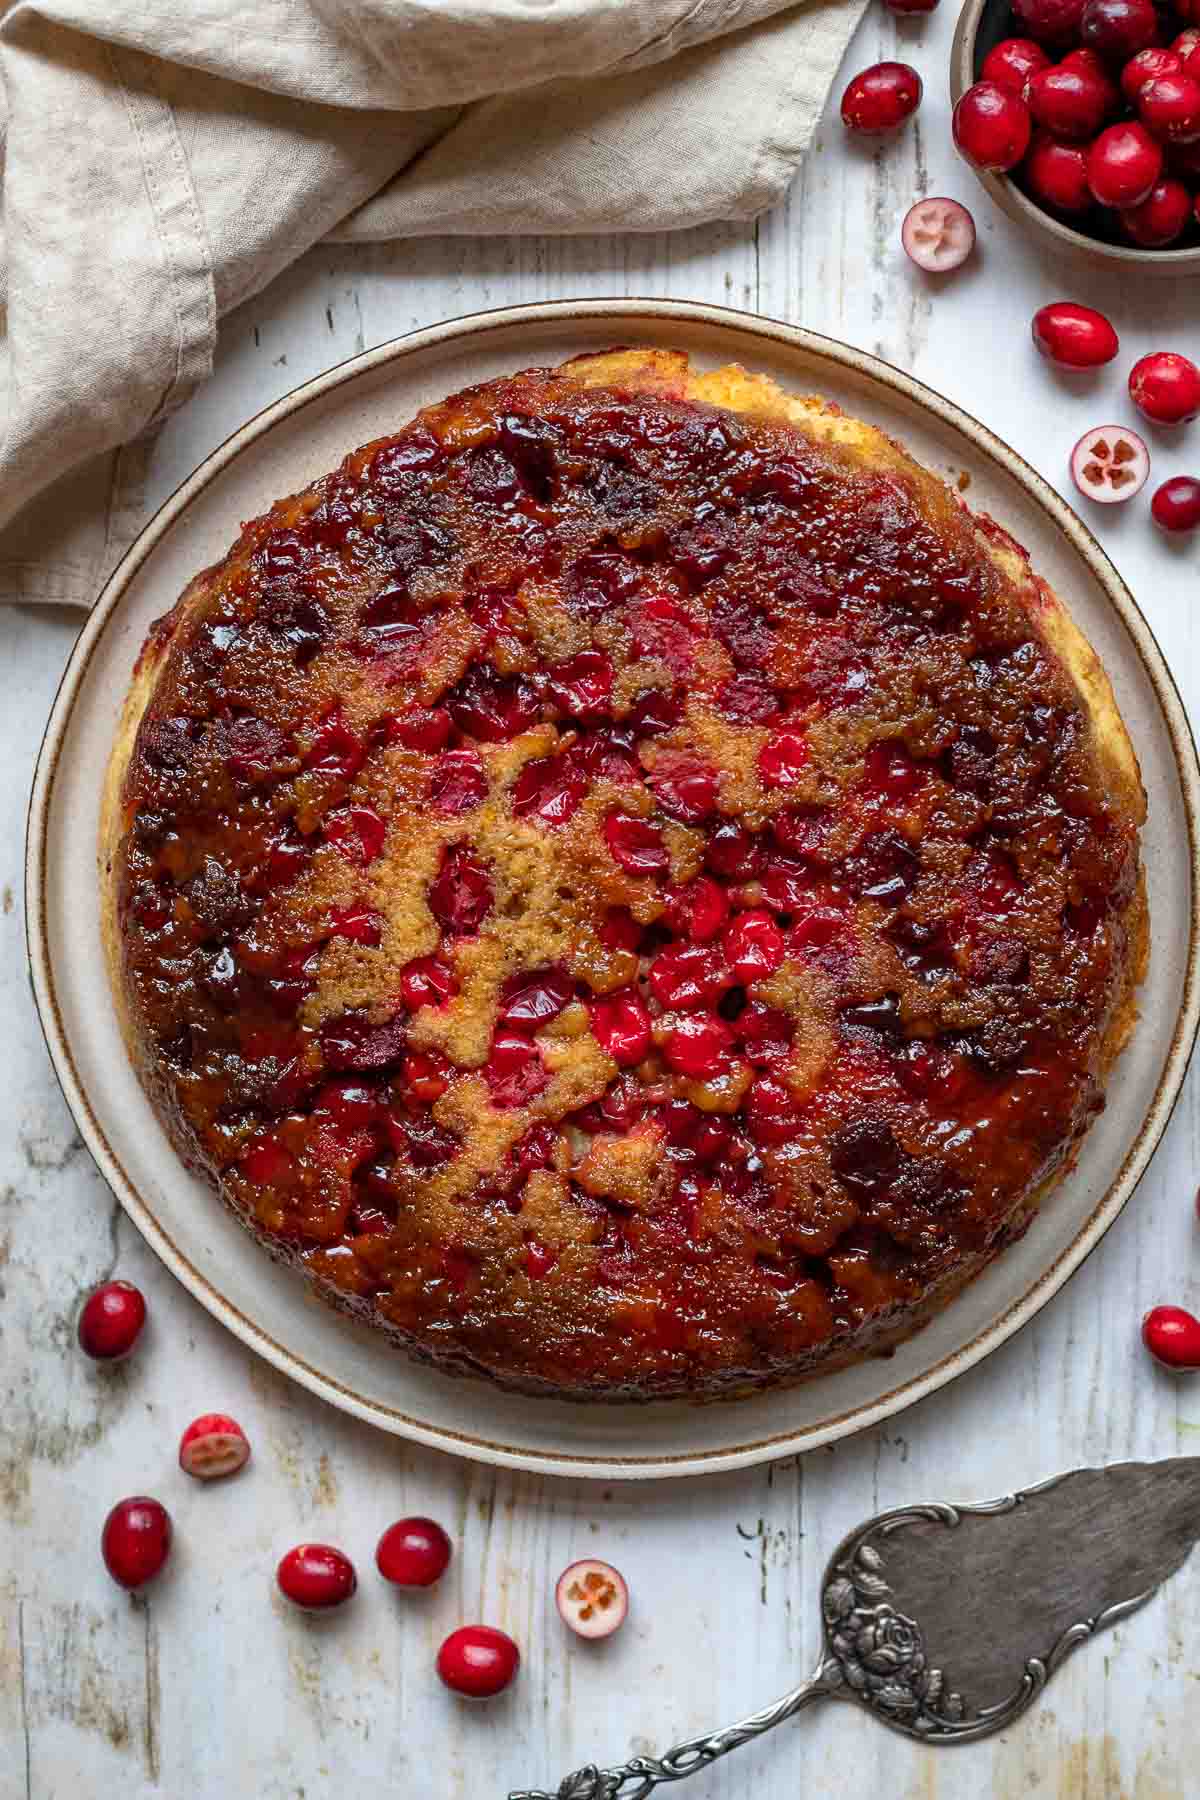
x=1082 y=119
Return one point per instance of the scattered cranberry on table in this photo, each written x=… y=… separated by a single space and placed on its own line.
x=111 y=1321
x=592 y=1598
x=1110 y=463
x=1176 y=504
x=478 y=1661
x=881 y=97
x=1172 y=1336
x=213 y=1445
x=1165 y=387
x=1074 y=336
x=992 y=126
x=316 y=1577
x=413 y=1553
x=136 y=1540
x=938 y=234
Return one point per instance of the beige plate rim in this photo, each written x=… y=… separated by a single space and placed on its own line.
x=572 y=1463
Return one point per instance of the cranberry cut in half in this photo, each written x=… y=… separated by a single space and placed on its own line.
x=1071 y=102
x=1012 y=61
x=1109 y=464
x=111 y=1321
x=1172 y=1336
x=136 y=1540
x=316 y=1577
x=214 y=1445
x=1053 y=22
x=992 y=127
x=881 y=97
x=1074 y=336
x=592 y=1598
x=1123 y=165
x=1165 y=387
x=938 y=234
x=1162 y=217
x=1170 y=108
x=478 y=1661
x=1176 y=504
x=1118 y=28
x=413 y=1553
x=1056 y=174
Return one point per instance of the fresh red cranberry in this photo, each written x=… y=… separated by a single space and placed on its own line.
x=458 y=782
x=1118 y=29
x=1074 y=336
x=530 y=1001
x=938 y=234
x=621 y=1025
x=478 y=1661
x=214 y=1445
x=1163 y=216
x=684 y=976
x=427 y=981
x=1070 y=102
x=136 y=1540
x=1123 y=165
x=992 y=126
x=1165 y=387
x=582 y=687
x=356 y=832
x=549 y=789
x=784 y=758
x=514 y=1070
x=1176 y=504
x=636 y=844
x=591 y=1596
x=753 y=945
x=697 y=910
x=316 y=1577
x=1110 y=464
x=1011 y=62
x=698 y=1046
x=423 y=728
x=1056 y=174
x=111 y=1321
x=1146 y=66
x=881 y=97
x=460 y=894
x=1172 y=1336
x=1054 y=22
x=413 y=1553
x=1170 y=108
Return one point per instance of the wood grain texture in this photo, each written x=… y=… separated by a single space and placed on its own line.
x=208 y=1687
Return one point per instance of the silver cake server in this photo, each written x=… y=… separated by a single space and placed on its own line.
x=946 y=1622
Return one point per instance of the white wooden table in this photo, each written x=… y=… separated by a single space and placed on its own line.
x=209 y=1686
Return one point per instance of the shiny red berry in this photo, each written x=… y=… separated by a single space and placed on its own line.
x=1073 y=103
x=1056 y=174
x=1012 y=61
x=1123 y=165
x=1074 y=336
x=881 y=97
x=136 y=1540
x=1170 y=108
x=1172 y=1336
x=413 y=1553
x=1118 y=29
x=992 y=126
x=478 y=1661
x=1146 y=66
x=111 y=1321
x=1054 y=22
x=1176 y=504
x=316 y=1577
x=1162 y=217
x=1165 y=387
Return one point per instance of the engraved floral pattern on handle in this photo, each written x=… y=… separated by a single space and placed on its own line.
x=879 y=1652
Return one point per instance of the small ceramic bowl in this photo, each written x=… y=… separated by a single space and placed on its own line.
x=981 y=25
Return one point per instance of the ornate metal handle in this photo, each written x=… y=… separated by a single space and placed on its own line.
x=635 y=1779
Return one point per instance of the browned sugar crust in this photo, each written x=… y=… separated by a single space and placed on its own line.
x=627 y=882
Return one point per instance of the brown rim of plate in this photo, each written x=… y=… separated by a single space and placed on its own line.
x=784 y=1443
x=1024 y=211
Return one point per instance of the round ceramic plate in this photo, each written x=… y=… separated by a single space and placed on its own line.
x=269 y=1307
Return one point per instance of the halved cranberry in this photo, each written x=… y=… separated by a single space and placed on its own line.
x=687 y=975
x=335 y=750
x=881 y=97
x=514 y=1070
x=621 y=1025
x=1110 y=464
x=734 y=852
x=684 y=787
x=356 y=832
x=358 y=923
x=938 y=234
x=699 y=1045
x=753 y=946
x=427 y=981
x=697 y=910
x=549 y=788
x=424 y=728
x=636 y=844
x=458 y=782
x=491 y=707
x=582 y=687
x=1012 y=61
x=784 y=758
x=460 y=895
x=531 y=1000
x=212 y=1447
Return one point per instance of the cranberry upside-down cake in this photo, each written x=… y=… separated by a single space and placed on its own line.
x=627 y=882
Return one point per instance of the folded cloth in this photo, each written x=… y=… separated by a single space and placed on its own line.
x=162 y=160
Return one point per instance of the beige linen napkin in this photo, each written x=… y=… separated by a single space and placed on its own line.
x=162 y=160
